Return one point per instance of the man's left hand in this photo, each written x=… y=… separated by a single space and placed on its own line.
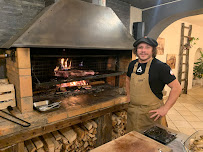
x=158 y=113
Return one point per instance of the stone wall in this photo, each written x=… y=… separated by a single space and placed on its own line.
x=15 y=14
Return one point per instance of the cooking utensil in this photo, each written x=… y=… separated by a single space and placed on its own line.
x=43 y=106
x=26 y=124
x=159 y=134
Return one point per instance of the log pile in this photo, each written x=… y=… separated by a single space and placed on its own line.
x=119 y=121
x=77 y=138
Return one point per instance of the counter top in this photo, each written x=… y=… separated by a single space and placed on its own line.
x=71 y=112
x=136 y=142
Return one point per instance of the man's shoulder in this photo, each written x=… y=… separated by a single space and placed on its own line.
x=156 y=63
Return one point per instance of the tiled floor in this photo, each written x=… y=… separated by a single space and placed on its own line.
x=186 y=115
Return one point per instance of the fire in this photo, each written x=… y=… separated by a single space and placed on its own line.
x=74 y=83
x=65 y=64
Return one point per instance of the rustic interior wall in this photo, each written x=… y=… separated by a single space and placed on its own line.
x=172 y=45
x=15 y=14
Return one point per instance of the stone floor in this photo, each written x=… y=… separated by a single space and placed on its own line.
x=186 y=115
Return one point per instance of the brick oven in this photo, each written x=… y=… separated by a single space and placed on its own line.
x=71 y=49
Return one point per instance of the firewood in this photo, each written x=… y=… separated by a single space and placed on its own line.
x=57 y=145
x=64 y=140
x=37 y=142
x=91 y=135
x=94 y=132
x=88 y=125
x=66 y=146
x=91 y=130
x=25 y=149
x=69 y=133
x=30 y=146
x=85 y=144
x=94 y=139
x=56 y=135
x=80 y=132
x=85 y=138
x=41 y=150
x=94 y=124
x=48 y=142
x=81 y=143
x=120 y=113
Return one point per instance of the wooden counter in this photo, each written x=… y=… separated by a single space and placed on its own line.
x=42 y=123
x=133 y=142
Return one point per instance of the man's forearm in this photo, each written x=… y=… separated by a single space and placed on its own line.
x=174 y=94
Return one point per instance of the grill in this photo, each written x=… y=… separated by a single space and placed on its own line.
x=108 y=67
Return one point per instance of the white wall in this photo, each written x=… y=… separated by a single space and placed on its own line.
x=172 y=45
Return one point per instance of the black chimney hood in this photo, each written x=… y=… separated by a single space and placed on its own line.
x=74 y=24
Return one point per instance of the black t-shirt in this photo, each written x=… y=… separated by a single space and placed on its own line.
x=159 y=75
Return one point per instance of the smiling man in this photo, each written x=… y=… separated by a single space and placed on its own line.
x=145 y=81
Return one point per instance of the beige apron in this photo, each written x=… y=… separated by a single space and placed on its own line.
x=142 y=100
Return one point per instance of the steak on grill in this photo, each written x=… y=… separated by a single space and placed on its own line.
x=74 y=73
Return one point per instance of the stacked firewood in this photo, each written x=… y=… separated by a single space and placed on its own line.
x=77 y=138
x=119 y=121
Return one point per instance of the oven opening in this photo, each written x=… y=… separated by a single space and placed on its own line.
x=71 y=72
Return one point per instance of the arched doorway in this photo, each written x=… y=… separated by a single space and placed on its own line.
x=157 y=29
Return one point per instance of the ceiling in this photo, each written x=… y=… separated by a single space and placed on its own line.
x=143 y=4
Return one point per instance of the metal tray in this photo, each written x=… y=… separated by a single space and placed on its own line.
x=46 y=105
x=159 y=134
x=194 y=136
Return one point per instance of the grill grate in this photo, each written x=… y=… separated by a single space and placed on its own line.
x=43 y=68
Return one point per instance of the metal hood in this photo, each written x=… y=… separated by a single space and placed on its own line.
x=74 y=24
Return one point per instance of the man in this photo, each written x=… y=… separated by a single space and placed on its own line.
x=146 y=78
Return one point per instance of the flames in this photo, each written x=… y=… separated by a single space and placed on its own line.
x=65 y=64
x=74 y=83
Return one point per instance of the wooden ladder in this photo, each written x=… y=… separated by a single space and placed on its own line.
x=184 y=57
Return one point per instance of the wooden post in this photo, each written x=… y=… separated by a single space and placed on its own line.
x=104 y=129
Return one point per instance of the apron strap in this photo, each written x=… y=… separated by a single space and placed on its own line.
x=148 y=66
x=135 y=67
x=146 y=69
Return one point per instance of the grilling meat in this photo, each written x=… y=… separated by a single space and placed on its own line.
x=74 y=73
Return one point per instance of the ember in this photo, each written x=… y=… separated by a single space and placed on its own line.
x=74 y=83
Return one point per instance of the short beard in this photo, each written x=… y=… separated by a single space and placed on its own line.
x=146 y=59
